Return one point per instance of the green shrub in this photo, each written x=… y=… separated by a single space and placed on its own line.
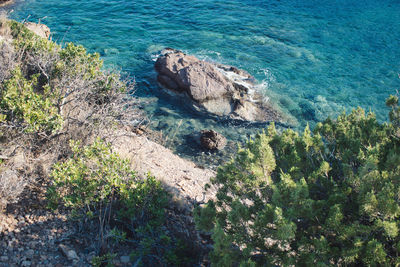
x=105 y=260
x=21 y=104
x=97 y=184
x=25 y=41
x=325 y=198
x=52 y=88
x=77 y=61
x=91 y=179
x=394 y=114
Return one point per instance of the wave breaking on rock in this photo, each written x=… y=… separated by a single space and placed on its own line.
x=216 y=89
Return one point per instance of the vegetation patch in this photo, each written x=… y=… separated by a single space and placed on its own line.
x=98 y=185
x=330 y=197
x=51 y=94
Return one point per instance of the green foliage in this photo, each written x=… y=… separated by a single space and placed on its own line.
x=330 y=197
x=105 y=260
x=93 y=178
x=147 y=198
x=77 y=61
x=47 y=76
x=25 y=40
x=394 y=114
x=97 y=184
x=22 y=104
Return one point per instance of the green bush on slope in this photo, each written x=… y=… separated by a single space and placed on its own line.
x=50 y=94
x=21 y=104
x=97 y=184
x=325 y=198
x=57 y=84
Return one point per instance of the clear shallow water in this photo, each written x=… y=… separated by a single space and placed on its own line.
x=315 y=58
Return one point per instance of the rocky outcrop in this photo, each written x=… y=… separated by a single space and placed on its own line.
x=39 y=29
x=217 y=89
x=7 y=59
x=5 y=2
x=211 y=140
x=182 y=178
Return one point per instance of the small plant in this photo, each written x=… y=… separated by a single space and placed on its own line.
x=91 y=182
x=105 y=260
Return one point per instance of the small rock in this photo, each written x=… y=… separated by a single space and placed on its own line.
x=90 y=257
x=39 y=29
x=30 y=253
x=32 y=244
x=125 y=259
x=69 y=253
x=72 y=255
x=212 y=140
x=26 y=263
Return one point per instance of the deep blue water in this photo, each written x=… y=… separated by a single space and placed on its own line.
x=315 y=58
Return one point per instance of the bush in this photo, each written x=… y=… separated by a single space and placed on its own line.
x=50 y=94
x=91 y=179
x=52 y=89
x=97 y=184
x=325 y=198
x=22 y=105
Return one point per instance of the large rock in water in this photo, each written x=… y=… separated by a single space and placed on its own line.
x=215 y=88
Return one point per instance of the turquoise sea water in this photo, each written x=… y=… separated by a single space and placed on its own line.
x=314 y=58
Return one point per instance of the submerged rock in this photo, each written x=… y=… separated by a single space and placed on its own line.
x=215 y=88
x=212 y=140
x=39 y=29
